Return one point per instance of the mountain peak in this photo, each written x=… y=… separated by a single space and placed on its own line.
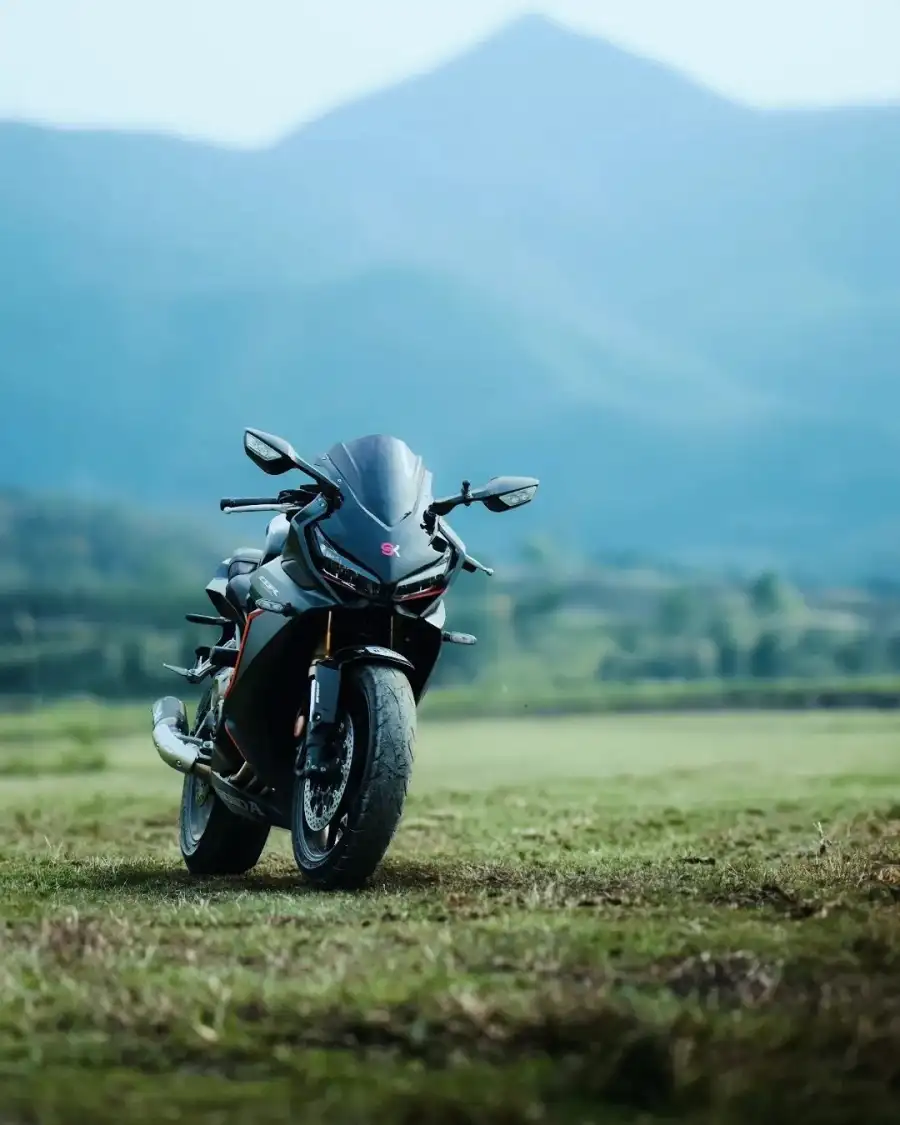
x=535 y=23
x=528 y=76
x=554 y=47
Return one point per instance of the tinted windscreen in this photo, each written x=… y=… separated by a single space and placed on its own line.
x=383 y=475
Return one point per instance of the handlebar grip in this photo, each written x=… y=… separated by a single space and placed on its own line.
x=237 y=502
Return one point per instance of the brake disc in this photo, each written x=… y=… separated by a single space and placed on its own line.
x=322 y=800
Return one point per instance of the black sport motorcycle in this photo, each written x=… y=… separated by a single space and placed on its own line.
x=329 y=637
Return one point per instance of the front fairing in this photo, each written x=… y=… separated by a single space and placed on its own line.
x=386 y=490
x=389 y=554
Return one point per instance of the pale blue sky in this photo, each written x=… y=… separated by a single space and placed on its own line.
x=246 y=71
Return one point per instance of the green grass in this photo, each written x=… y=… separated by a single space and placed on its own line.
x=60 y=762
x=71 y=720
x=593 y=919
x=63 y=739
x=517 y=695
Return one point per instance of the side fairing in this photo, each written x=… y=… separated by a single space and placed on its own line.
x=270 y=583
x=268 y=675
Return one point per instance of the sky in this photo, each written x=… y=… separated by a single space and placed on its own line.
x=244 y=72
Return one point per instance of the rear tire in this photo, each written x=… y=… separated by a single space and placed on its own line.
x=214 y=840
x=379 y=703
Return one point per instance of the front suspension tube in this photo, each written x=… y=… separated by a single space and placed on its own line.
x=324 y=692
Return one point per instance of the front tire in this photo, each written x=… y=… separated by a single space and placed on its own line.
x=214 y=840
x=363 y=809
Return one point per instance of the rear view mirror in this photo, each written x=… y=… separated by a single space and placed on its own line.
x=500 y=494
x=270 y=453
x=275 y=456
x=503 y=494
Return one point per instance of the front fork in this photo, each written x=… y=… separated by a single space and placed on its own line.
x=324 y=691
x=320 y=723
x=317 y=720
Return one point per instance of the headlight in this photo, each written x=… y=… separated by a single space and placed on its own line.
x=520 y=496
x=427 y=583
x=342 y=571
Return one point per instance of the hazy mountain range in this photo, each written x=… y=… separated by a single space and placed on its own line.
x=548 y=257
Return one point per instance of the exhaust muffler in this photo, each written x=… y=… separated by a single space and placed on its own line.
x=171 y=739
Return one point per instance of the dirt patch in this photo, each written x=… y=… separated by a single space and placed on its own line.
x=477 y=890
x=737 y=978
x=473 y=890
x=608 y=1052
x=768 y=895
x=867 y=982
x=70 y=939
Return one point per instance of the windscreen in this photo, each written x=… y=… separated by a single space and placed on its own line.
x=383 y=475
x=386 y=489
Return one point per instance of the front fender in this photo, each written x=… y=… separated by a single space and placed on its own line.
x=369 y=654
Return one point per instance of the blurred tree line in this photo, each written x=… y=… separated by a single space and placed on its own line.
x=628 y=624
x=107 y=631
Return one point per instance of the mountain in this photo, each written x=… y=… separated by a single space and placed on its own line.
x=547 y=256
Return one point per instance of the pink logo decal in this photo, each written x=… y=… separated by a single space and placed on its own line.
x=391 y=549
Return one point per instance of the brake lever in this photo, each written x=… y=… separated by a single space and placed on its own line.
x=471 y=565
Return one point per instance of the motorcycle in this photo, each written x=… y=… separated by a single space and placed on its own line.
x=328 y=638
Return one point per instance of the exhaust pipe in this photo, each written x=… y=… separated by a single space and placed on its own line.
x=170 y=726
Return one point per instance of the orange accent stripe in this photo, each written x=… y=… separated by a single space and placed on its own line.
x=422 y=594
x=250 y=616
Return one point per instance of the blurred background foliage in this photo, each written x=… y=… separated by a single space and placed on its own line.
x=99 y=607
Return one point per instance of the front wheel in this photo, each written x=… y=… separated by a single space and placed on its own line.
x=341 y=829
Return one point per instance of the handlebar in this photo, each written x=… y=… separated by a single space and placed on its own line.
x=287 y=501
x=253 y=501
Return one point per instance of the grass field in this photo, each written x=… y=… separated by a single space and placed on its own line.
x=607 y=919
